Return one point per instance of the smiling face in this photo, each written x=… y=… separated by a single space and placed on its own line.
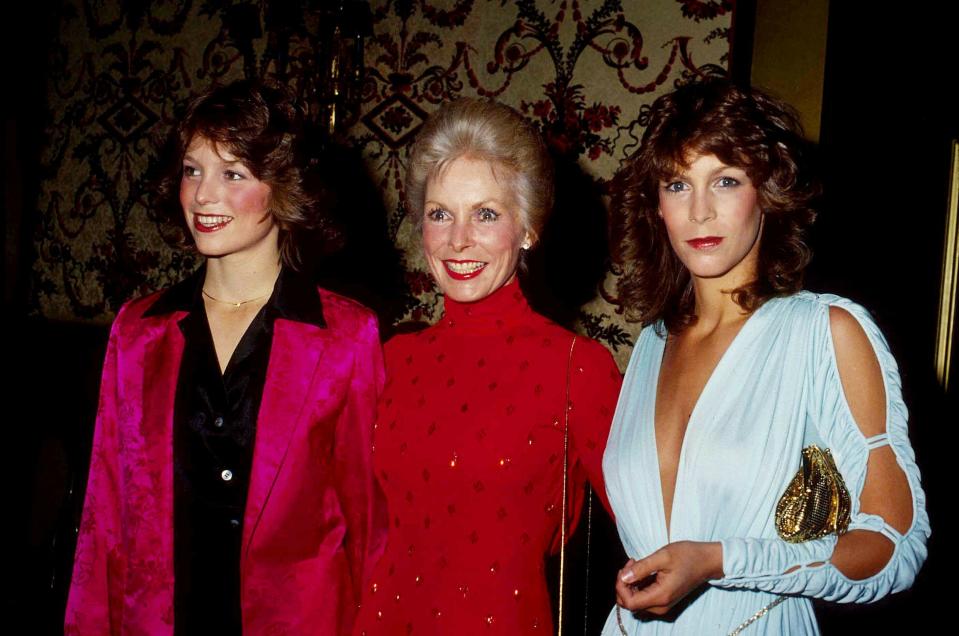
x=472 y=232
x=713 y=219
x=227 y=209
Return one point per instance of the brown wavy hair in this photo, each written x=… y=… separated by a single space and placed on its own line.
x=262 y=125
x=744 y=128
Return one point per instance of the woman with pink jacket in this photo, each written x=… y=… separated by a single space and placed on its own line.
x=230 y=485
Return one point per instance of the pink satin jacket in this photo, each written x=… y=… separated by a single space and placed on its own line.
x=314 y=521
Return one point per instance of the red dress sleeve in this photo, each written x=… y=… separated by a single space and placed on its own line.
x=594 y=389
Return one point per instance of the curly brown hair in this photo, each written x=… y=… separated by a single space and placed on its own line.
x=744 y=128
x=261 y=124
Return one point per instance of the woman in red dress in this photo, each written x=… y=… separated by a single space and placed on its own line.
x=470 y=436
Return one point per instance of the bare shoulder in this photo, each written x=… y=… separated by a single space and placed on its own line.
x=851 y=343
x=859 y=371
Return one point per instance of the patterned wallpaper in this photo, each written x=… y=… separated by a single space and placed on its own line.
x=584 y=71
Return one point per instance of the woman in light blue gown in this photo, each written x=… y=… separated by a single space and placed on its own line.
x=735 y=373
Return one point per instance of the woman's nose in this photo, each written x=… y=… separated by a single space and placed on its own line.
x=461 y=235
x=701 y=208
x=205 y=192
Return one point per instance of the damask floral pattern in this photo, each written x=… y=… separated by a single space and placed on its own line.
x=581 y=70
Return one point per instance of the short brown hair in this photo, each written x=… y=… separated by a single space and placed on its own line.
x=262 y=125
x=744 y=128
x=492 y=132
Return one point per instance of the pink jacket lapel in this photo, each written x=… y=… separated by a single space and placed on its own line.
x=294 y=360
x=150 y=589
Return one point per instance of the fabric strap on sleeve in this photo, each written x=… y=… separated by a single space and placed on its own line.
x=877 y=441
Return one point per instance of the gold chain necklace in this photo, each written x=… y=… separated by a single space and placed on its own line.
x=230 y=302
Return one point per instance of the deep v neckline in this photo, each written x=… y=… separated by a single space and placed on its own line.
x=724 y=361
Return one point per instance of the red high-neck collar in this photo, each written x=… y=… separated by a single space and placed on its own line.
x=504 y=307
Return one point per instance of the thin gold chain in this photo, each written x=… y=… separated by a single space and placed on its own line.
x=562 y=524
x=746 y=623
x=755 y=617
x=589 y=538
x=234 y=304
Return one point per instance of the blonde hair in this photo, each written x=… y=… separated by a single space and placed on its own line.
x=491 y=132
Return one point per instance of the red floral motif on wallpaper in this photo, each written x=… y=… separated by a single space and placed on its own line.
x=118 y=92
x=699 y=10
x=415 y=54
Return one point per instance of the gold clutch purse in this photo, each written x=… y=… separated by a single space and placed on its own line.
x=816 y=502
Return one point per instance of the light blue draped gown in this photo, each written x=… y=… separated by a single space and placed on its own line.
x=775 y=389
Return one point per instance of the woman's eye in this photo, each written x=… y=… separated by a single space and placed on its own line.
x=727 y=182
x=487 y=215
x=233 y=175
x=674 y=186
x=190 y=171
x=437 y=214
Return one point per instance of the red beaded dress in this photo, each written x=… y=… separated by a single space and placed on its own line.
x=468 y=448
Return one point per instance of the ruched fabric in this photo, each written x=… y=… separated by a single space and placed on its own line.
x=777 y=379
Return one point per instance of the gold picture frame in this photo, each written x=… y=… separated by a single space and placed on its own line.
x=945 y=336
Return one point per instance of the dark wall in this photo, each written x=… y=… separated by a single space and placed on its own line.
x=26 y=33
x=50 y=372
x=888 y=119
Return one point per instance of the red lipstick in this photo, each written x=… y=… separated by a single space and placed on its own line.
x=208 y=227
x=705 y=242
x=463 y=270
